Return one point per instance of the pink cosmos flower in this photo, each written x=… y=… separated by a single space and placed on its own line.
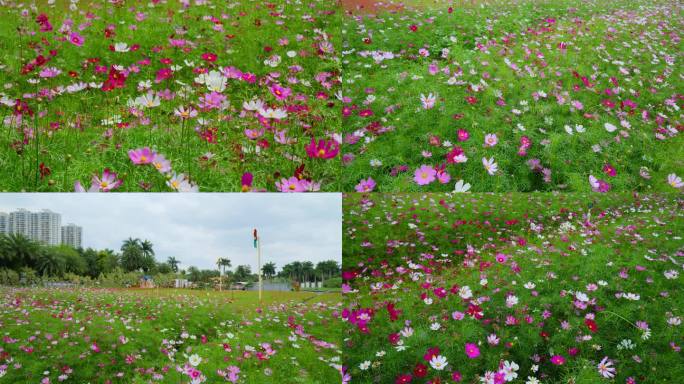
x=598 y=185
x=292 y=184
x=428 y=101
x=425 y=175
x=366 y=185
x=142 y=156
x=107 y=182
x=161 y=164
x=76 y=39
x=491 y=140
x=557 y=360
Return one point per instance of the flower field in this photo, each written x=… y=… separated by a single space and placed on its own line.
x=168 y=336
x=527 y=288
x=531 y=95
x=169 y=96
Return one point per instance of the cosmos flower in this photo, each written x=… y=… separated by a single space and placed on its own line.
x=142 y=156
x=438 y=362
x=424 y=175
x=325 y=149
x=490 y=165
x=281 y=93
x=76 y=39
x=461 y=187
x=428 y=101
x=675 y=181
x=606 y=369
x=472 y=351
x=366 y=185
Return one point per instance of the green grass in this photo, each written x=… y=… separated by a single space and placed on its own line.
x=628 y=249
x=163 y=327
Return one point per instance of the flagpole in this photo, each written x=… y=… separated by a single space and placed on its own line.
x=259 y=262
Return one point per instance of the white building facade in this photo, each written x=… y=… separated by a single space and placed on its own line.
x=71 y=235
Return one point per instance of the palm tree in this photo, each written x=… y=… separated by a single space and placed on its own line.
x=222 y=262
x=132 y=258
x=17 y=250
x=146 y=247
x=173 y=262
x=269 y=270
x=307 y=270
x=50 y=263
x=148 y=255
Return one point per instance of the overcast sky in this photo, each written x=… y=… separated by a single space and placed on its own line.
x=197 y=228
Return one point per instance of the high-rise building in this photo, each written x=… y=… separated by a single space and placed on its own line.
x=4 y=223
x=47 y=227
x=44 y=226
x=21 y=223
x=71 y=235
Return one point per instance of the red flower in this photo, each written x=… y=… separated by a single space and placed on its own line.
x=591 y=324
x=420 y=370
x=209 y=57
x=403 y=379
x=413 y=28
x=44 y=170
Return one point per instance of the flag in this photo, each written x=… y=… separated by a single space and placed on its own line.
x=255 y=238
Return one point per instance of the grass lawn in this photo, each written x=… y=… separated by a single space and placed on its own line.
x=169 y=336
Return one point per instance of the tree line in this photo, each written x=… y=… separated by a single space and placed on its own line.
x=21 y=256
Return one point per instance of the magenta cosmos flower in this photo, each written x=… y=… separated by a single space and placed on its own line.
x=325 y=149
x=472 y=351
x=557 y=360
x=425 y=175
x=142 y=155
x=281 y=93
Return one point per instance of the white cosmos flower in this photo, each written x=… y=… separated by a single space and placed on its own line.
x=438 y=362
x=194 y=360
x=609 y=127
x=490 y=165
x=365 y=365
x=253 y=105
x=148 y=100
x=121 y=47
x=465 y=293
x=214 y=81
x=510 y=369
x=675 y=180
x=273 y=113
x=461 y=187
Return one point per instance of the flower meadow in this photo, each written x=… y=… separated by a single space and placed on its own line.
x=167 y=336
x=522 y=288
x=167 y=95
x=530 y=95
